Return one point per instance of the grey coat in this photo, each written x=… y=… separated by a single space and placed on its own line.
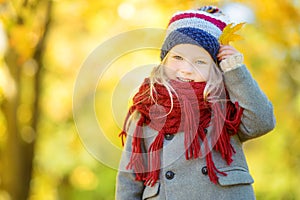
x=187 y=179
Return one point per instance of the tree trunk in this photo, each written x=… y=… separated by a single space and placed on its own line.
x=17 y=154
x=16 y=166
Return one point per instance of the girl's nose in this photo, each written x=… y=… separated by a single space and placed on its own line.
x=187 y=68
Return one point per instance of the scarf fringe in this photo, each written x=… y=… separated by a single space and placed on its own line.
x=136 y=161
x=227 y=126
x=191 y=140
x=154 y=159
x=123 y=133
x=212 y=169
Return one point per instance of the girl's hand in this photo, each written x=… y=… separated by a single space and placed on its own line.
x=226 y=51
x=229 y=58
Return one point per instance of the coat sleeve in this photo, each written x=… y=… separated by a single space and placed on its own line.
x=258 y=116
x=126 y=185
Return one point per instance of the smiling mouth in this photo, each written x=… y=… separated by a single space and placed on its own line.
x=184 y=79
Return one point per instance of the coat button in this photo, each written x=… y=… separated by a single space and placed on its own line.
x=205 y=130
x=170 y=175
x=204 y=170
x=169 y=136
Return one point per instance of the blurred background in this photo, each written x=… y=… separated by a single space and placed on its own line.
x=44 y=43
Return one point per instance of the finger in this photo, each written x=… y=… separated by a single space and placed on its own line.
x=227 y=47
x=224 y=57
x=225 y=53
x=228 y=51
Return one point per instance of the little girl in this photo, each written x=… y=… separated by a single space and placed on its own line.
x=189 y=119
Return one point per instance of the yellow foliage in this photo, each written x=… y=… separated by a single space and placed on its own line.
x=229 y=33
x=83 y=178
x=22 y=39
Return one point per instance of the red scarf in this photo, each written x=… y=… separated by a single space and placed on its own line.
x=190 y=113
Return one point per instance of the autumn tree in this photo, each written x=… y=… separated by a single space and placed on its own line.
x=27 y=24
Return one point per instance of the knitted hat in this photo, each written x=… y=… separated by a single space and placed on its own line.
x=201 y=27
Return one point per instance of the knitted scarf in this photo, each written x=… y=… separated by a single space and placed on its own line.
x=191 y=114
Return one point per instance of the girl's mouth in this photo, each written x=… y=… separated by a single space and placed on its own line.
x=184 y=79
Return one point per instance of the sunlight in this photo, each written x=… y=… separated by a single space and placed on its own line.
x=239 y=13
x=126 y=10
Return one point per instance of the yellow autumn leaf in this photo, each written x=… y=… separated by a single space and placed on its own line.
x=229 y=33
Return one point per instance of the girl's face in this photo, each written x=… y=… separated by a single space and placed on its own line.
x=188 y=63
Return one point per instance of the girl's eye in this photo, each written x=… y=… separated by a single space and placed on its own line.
x=177 y=57
x=200 y=62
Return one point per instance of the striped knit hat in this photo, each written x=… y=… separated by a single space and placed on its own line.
x=201 y=27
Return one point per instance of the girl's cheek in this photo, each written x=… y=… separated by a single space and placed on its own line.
x=202 y=75
x=170 y=73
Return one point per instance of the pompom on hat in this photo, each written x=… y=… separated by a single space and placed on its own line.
x=202 y=27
